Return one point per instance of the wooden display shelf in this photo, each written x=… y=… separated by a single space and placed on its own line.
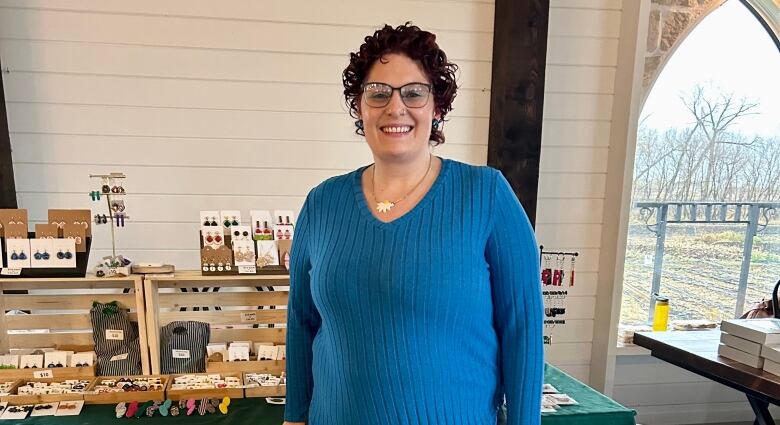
x=91 y=397
x=87 y=372
x=16 y=399
x=255 y=366
x=231 y=305
x=208 y=392
x=61 y=307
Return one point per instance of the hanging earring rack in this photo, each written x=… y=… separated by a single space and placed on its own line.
x=555 y=276
x=114 y=193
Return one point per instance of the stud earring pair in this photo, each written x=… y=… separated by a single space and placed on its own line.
x=67 y=255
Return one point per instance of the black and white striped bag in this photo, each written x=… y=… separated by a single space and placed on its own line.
x=183 y=347
x=117 y=347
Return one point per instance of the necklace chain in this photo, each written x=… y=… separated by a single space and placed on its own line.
x=386 y=206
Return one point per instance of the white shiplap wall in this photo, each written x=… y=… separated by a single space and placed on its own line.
x=205 y=106
x=580 y=83
x=215 y=106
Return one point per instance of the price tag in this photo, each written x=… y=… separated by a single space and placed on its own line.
x=115 y=334
x=43 y=374
x=247 y=269
x=249 y=317
x=11 y=272
x=181 y=354
x=119 y=357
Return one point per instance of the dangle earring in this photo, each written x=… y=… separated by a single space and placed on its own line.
x=547 y=272
x=359 y=125
x=435 y=124
x=571 y=271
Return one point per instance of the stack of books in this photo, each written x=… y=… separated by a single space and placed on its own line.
x=754 y=342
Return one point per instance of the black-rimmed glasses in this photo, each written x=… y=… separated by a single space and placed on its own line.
x=413 y=95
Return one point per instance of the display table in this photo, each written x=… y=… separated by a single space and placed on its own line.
x=697 y=352
x=593 y=407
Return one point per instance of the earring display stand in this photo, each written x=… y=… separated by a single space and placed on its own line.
x=114 y=193
x=82 y=258
x=554 y=273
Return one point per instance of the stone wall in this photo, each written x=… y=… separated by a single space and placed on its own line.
x=670 y=22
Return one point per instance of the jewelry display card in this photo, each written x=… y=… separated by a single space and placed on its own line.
x=31 y=361
x=267 y=254
x=16 y=231
x=261 y=225
x=284 y=228
x=46 y=231
x=81 y=217
x=17 y=412
x=12 y=216
x=42 y=252
x=55 y=359
x=210 y=219
x=82 y=359
x=213 y=237
x=230 y=218
x=238 y=353
x=70 y=408
x=47 y=409
x=9 y=360
x=240 y=233
x=244 y=253
x=17 y=254
x=78 y=233
x=64 y=253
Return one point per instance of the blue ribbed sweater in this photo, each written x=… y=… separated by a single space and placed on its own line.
x=429 y=319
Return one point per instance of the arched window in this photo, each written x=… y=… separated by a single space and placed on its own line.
x=705 y=224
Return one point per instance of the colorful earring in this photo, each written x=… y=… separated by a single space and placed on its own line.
x=435 y=124
x=22 y=256
x=14 y=256
x=45 y=255
x=359 y=124
x=38 y=256
x=234 y=222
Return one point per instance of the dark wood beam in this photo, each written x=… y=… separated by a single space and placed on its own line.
x=7 y=185
x=517 y=95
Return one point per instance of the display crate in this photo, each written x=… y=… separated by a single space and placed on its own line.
x=55 y=314
x=238 y=308
x=91 y=397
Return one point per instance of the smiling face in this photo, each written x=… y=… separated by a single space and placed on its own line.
x=396 y=132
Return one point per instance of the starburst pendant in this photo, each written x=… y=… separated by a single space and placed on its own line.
x=384 y=206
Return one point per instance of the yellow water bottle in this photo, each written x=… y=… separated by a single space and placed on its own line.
x=660 y=313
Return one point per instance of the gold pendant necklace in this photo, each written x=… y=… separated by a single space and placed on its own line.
x=387 y=205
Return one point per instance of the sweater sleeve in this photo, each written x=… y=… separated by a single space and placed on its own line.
x=513 y=257
x=303 y=322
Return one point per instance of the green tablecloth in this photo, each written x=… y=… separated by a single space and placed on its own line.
x=594 y=408
x=253 y=411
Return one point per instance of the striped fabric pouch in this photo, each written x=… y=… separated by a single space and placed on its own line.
x=117 y=347
x=183 y=347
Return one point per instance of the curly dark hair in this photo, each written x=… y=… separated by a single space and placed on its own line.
x=419 y=46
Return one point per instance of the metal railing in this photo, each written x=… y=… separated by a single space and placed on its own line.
x=755 y=215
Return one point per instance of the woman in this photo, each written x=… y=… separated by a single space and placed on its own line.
x=415 y=295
